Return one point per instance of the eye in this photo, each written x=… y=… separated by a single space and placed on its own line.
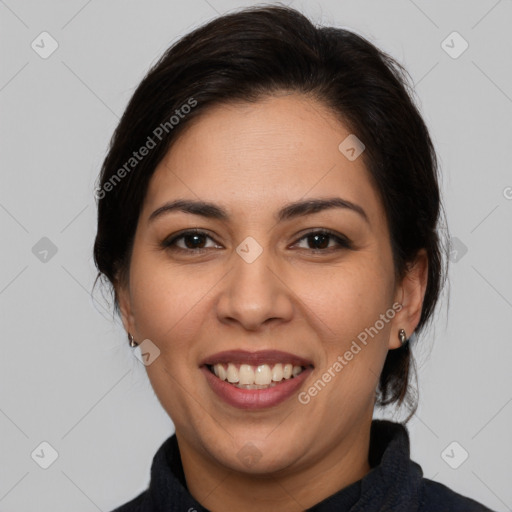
x=321 y=240
x=193 y=240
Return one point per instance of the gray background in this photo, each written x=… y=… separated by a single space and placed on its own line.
x=67 y=374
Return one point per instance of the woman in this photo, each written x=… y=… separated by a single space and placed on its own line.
x=268 y=220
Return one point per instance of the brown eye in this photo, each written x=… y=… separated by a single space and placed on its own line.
x=318 y=241
x=193 y=241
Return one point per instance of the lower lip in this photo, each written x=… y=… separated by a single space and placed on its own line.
x=255 y=398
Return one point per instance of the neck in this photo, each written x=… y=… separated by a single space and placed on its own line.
x=219 y=488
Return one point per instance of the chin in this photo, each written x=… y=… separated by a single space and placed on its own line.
x=258 y=455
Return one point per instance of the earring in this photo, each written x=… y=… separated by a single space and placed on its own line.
x=402 y=337
x=133 y=343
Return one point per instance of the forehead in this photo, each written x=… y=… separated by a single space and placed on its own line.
x=278 y=149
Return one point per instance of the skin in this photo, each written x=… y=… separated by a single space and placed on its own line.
x=252 y=159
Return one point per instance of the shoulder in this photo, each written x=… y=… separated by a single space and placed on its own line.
x=436 y=497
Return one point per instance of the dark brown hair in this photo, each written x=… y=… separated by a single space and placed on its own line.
x=250 y=54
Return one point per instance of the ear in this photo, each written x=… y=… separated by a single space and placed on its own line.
x=410 y=294
x=125 y=306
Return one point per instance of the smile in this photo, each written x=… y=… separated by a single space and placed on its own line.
x=245 y=376
x=255 y=380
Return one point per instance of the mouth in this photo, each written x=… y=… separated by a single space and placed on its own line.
x=263 y=376
x=252 y=380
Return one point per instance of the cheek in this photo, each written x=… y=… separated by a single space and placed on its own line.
x=347 y=297
x=164 y=299
x=170 y=311
x=353 y=306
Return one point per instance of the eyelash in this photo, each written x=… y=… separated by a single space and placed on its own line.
x=343 y=242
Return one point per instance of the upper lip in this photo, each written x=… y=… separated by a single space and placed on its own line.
x=255 y=358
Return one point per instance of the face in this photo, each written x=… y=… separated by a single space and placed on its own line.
x=317 y=285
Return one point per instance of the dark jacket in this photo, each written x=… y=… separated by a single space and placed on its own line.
x=395 y=483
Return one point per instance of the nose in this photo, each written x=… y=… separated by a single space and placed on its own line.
x=254 y=294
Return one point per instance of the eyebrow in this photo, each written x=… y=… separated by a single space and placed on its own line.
x=288 y=212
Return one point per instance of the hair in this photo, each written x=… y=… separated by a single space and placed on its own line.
x=250 y=54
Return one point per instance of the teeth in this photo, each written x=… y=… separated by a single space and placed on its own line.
x=296 y=370
x=277 y=373
x=223 y=374
x=256 y=377
x=246 y=374
x=263 y=375
x=232 y=373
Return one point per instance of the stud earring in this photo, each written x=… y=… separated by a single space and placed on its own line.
x=402 y=337
x=133 y=343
